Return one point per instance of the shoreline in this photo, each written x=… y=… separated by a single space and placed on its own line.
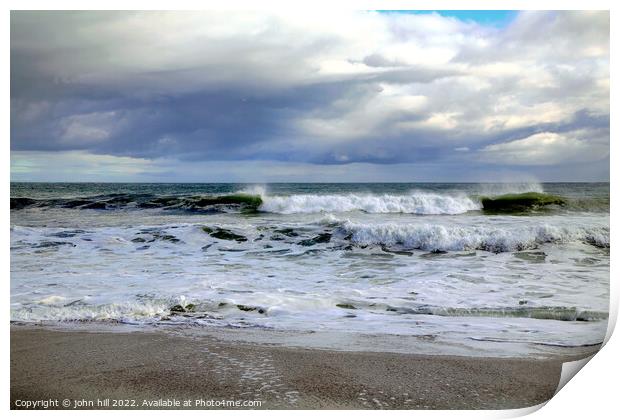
x=160 y=365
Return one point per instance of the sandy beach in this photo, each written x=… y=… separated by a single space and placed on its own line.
x=152 y=369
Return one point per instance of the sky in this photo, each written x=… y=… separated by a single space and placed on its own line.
x=343 y=96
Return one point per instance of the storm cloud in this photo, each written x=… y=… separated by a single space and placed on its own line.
x=170 y=91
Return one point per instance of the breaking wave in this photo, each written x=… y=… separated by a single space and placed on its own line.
x=414 y=203
x=257 y=199
x=330 y=234
x=175 y=309
x=460 y=238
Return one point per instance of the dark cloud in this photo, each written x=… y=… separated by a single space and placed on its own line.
x=365 y=87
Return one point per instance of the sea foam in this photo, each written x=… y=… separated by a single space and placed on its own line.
x=434 y=237
x=414 y=203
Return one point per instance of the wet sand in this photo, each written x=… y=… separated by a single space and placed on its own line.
x=149 y=366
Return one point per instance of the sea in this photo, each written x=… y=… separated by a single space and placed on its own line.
x=404 y=261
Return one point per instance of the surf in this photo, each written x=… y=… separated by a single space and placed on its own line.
x=422 y=203
x=444 y=238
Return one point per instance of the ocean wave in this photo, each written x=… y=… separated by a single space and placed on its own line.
x=80 y=311
x=413 y=203
x=329 y=232
x=435 y=237
x=523 y=202
x=177 y=309
x=552 y=313
x=557 y=313
x=194 y=203
x=258 y=199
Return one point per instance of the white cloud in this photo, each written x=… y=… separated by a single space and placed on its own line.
x=86 y=129
x=76 y=166
x=546 y=149
x=79 y=166
x=361 y=117
x=346 y=86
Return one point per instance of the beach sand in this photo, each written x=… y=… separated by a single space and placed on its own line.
x=79 y=365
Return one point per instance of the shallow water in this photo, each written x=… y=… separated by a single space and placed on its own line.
x=409 y=259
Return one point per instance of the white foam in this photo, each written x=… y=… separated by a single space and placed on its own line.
x=413 y=203
x=135 y=311
x=431 y=237
x=51 y=300
x=106 y=275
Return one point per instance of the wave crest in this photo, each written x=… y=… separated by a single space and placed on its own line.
x=415 y=203
x=458 y=238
